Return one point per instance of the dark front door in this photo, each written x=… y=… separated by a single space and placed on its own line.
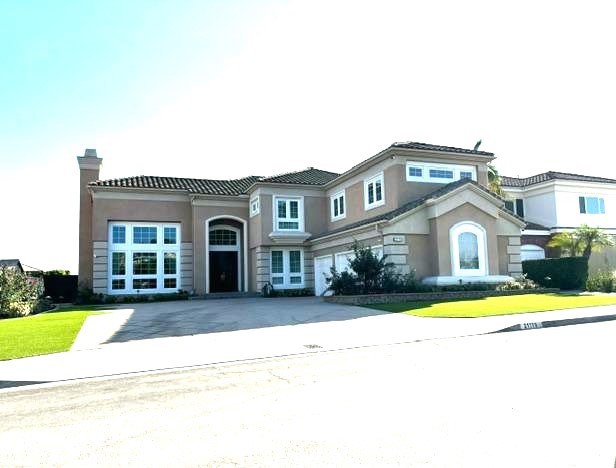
x=223 y=272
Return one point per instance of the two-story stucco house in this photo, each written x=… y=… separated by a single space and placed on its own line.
x=554 y=202
x=425 y=206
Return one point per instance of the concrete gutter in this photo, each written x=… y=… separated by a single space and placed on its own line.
x=557 y=323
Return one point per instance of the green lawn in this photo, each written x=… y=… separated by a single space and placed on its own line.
x=500 y=305
x=45 y=333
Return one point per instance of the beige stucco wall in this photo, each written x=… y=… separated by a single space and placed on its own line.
x=261 y=225
x=397 y=190
x=86 y=253
x=440 y=236
x=503 y=258
x=421 y=256
x=107 y=210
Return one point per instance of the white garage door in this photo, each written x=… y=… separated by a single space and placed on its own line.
x=322 y=267
x=531 y=252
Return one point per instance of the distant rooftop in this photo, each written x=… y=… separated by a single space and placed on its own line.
x=551 y=175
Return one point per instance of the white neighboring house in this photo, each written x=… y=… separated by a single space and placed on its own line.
x=554 y=202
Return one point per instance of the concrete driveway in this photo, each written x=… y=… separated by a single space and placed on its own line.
x=184 y=318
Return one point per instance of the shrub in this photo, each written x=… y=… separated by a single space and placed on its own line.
x=522 y=282
x=563 y=273
x=344 y=282
x=602 y=281
x=87 y=296
x=18 y=296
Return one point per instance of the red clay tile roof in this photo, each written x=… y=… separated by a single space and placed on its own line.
x=551 y=175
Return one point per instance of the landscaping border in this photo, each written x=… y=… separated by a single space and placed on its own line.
x=365 y=299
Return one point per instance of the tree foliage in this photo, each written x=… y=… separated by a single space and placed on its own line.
x=18 y=295
x=494 y=180
x=582 y=241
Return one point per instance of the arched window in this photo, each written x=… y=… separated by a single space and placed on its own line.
x=223 y=237
x=468 y=249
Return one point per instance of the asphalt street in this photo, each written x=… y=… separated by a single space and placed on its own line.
x=535 y=398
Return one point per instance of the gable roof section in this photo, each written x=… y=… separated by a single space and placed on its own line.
x=551 y=175
x=445 y=149
x=444 y=190
x=310 y=176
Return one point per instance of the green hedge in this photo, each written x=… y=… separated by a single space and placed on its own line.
x=563 y=273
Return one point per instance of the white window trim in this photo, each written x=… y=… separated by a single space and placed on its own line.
x=300 y=208
x=598 y=197
x=515 y=204
x=286 y=269
x=337 y=196
x=375 y=178
x=425 y=172
x=482 y=248
x=129 y=248
x=257 y=210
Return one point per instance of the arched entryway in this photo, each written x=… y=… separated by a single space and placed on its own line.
x=225 y=258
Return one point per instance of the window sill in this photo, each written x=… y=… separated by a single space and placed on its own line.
x=374 y=205
x=293 y=237
x=338 y=218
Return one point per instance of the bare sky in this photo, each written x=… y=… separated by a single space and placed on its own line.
x=219 y=89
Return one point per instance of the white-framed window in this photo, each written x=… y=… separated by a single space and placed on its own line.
x=288 y=213
x=516 y=206
x=255 y=206
x=143 y=257
x=287 y=268
x=438 y=173
x=592 y=205
x=468 y=249
x=374 y=192
x=338 y=206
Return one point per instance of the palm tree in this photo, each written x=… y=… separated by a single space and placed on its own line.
x=581 y=241
x=567 y=242
x=592 y=238
x=494 y=181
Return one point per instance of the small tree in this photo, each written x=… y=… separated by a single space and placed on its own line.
x=494 y=180
x=592 y=239
x=582 y=241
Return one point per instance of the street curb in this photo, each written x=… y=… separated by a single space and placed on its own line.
x=556 y=323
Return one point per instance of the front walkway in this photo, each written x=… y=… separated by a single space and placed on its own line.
x=150 y=337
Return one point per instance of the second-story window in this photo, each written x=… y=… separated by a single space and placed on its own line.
x=289 y=214
x=516 y=206
x=592 y=205
x=338 y=206
x=417 y=171
x=374 y=192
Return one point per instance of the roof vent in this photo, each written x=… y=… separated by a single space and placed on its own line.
x=90 y=153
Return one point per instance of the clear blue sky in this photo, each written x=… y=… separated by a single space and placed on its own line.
x=220 y=89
